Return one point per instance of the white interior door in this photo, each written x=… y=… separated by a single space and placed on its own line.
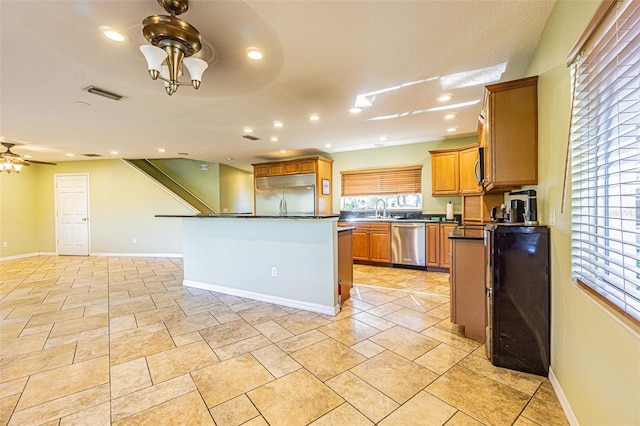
x=72 y=214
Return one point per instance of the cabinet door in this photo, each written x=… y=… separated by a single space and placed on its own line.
x=360 y=244
x=275 y=169
x=261 y=170
x=291 y=168
x=512 y=136
x=307 y=166
x=433 y=244
x=380 y=246
x=444 y=173
x=469 y=170
x=445 y=244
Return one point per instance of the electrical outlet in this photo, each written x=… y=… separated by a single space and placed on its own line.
x=5 y=244
x=134 y=241
x=274 y=271
x=552 y=217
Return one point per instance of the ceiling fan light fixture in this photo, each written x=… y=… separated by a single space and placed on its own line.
x=155 y=57
x=196 y=68
x=177 y=40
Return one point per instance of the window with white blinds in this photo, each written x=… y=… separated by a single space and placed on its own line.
x=396 y=180
x=605 y=157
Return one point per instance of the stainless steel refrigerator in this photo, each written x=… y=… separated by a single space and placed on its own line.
x=518 y=297
x=293 y=195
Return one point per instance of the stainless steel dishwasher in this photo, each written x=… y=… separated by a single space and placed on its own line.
x=408 y=244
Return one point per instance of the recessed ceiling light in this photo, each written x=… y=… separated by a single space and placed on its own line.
x=314 y=117
x=355 y=110
x=114 y=153
x=162 y=150
x=445 y=98
x=254 y=53
x=384 y=138
x=450 y=116
x=283 y=151
x=274 y=139
x=328 y=145
x=69 y=154
x=277 y=124
x=230 y=158
x=248 y=130
x=452 y=129
x=112 y=34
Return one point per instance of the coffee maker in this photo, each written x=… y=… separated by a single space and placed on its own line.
x=528 y=213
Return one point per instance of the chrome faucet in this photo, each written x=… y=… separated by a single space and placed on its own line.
x=384 y=208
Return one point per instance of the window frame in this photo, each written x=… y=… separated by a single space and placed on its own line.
x=594 y=267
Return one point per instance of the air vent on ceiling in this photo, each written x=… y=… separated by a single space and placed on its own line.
x=104 y=93
x=92 y=155
x=251 y=137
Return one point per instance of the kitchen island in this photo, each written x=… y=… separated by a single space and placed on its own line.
x=285 y=260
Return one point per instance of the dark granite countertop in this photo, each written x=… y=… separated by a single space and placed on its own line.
x=467 y=232
x=247 y=216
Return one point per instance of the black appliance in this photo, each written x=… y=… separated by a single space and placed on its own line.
x=531 y=208
x=516 y=213
x=517 y=289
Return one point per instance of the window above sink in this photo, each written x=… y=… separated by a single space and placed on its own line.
x=392 y=202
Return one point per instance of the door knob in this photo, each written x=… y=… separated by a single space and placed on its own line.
x=84 y=219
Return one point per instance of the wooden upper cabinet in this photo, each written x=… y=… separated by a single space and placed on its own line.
x=469 y=171
x=509 y=132
x=321 y=166
x=445 y=178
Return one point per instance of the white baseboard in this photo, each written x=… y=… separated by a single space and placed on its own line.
x=136 y=254
x=564 y=402
x=306 y=306
x=22 y=256
x=46 y=253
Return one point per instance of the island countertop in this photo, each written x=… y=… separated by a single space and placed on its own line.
x=246 y=216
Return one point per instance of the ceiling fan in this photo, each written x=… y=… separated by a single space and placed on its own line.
x=12 y=162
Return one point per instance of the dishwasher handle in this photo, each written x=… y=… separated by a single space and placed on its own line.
x=407 y=225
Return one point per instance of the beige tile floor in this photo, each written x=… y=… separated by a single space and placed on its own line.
x=99 y=341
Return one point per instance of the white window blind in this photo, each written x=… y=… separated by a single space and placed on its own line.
x=605 y=160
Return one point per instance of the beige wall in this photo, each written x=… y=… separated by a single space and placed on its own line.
x=595 y=359
x=204 y=184
x=123 y=203
x=405 y=155
x=236 y=190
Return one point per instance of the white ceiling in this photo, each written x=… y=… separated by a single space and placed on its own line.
x=319 y=55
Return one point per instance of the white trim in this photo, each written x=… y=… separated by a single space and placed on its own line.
x=20 y=256
x=562 y=398
x=313 y=307
x=136 y=254
x=47 y=253
x=161 y=186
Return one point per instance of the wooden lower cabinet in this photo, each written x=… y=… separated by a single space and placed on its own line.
x=371 y=241
x=467 y=286
x=345 y=262
x=445 y=244
x=438 y=244
x=361 y=244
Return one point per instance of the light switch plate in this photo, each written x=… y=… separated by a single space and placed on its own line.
x=552 y=217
